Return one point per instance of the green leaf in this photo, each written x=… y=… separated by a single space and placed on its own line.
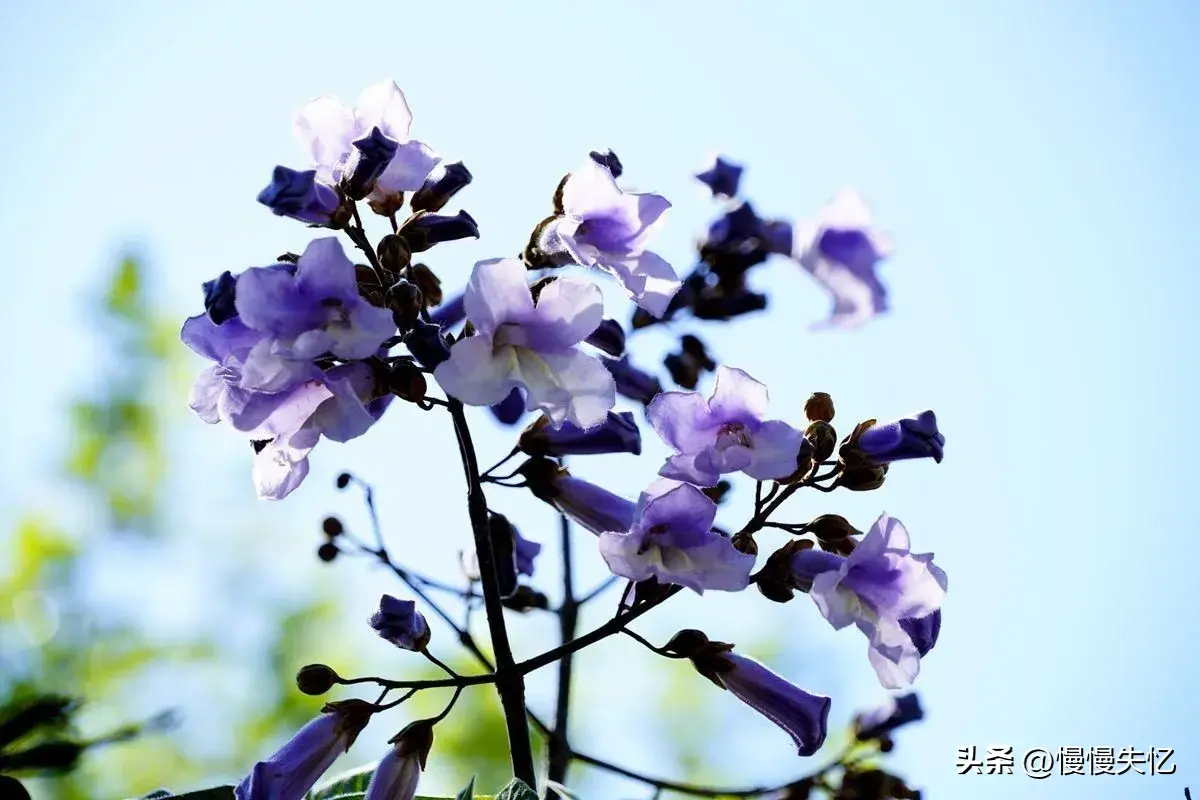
x=469 y=792
x=517 y=790
x=215 y=793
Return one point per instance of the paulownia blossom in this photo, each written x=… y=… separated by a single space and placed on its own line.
x=399 y=622
x=804 y=716
x=722 y=178
x=327 y=129
x=841 y=250
x=598 y=225
x=877 y=587
x=725 y=433
x=672 y=539
x=520 y=342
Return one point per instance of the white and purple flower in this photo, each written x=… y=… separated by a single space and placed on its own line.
x=671 y=539
x=842 y=251
x=599 y=225
x=878 y=587
x=726 y=433
x=533 y=345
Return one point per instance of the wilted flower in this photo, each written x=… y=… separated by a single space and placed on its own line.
x=290 y=773
x=598 y=225
x=327 y=128
x=841 y=250
x=912 y=437
x=299 y=195
x=879 y=584
x=400 y=623
x=722 y=178
x=617 y=434
x=726 y=433
x=518 y=342
x=672 y=539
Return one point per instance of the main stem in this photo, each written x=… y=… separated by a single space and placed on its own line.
x=510 y=683
x=568 y=618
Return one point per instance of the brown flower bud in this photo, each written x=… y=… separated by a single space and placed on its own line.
x=824 y=439
x=831 y=528
x=525 y=599
x=429 y=284
x=405 y=301
x=863 y=479
x=385 y=204
x=316 y=679
x=416 y=739
x=332 y=526
x=328 y=552
x=687 y=643
x=407 y=382
x=819 y=407
x=394 y=254
x=775 y=580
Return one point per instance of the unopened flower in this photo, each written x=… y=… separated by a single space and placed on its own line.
x=722 y=178
x=299 y=195
x=599 y=225
x=399 y=622
x=672 y=539
x=518 y=342
x=292 y=772
x=371 y=155
x=726 y=433
x=879 y=584
x=445 y=181
x=912 y=437
x=617 y=434
x=842 y=251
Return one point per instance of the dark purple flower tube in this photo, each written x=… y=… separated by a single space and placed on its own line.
x=617 y=434
x=371 y=156
x=722 y=178
x=428 y=344
x=804 y=716
x=399 y=622
x=632 y=382
x=219 y=296
x=608 y=337
x=510 y=410
x=609 y=160
x=450 y=312
x=424 y=230
x=898 y=712
x=299 y=195
x=923 y=630
x=912 y=437
x=445 y=181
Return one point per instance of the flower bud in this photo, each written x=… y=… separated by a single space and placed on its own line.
x=863 y=479
x=632 y=382
x=744 y=543
x=526 y=599
x=369 y=158
x=219 y=296
x=316 y=679
x=688 y=643
x=819 y=407
x=609 y=160
x=423 y=230
x=722 y=178
x=407 y=382
x=429 y=284
x=406 y=303
x=399 y=622
x=776 y=579
x=445 y=181
x=823 y=438
x=831 y=528
x=427 y=344
x=332 y=526
x=328 y=552
x=301 y=196
x=394 y=254
x=617 y=434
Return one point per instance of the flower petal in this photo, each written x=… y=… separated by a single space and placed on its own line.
x=324 y=271
x=569 y=387
x=475 y=374
x=383 y=105
x=567 y=312
x=737 y=397
x=325 y=127
x=683 y=421
x=408 y=169
x=498 y=292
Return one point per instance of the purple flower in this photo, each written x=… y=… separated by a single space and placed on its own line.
x=525 y=551
x=609 y=338
x=722 y=178
x=879 y=584
x=897 y=712
x=726 y=433
x=400 y=623
x=219 y=296
x=290 y=773
x=510 y=410
x=841 y=250
x=399 y=772
x=617 y=434
x=912 y=437
x=804 y=716
x=923 y=631
x=327 y=129
x=599 y=225
x=424 y=230
x=445 y=181
x=317 y=310
x=593 y=507
x=300 y=196
x=371 y=156
x=449 y=313
x=518 y=342
x=672 y=539
x=632 y=382
x=427 y=343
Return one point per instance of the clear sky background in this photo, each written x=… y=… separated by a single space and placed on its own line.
x=1036 y=162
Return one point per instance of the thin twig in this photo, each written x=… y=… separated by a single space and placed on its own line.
x=559 y=749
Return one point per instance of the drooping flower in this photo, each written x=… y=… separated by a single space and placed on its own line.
x=617 y=434
x=726 y=433
x=598 y=225
x=399 y=622
x=842 y=251
x=313 y=312
x=328 y=128
x=398 y=773
x=594 y=507
x=299 y=764
x=445 y=181
x=299 y=195
x=804 y=716
x=877 y=586
x=912 y=437
x=632 y=382
x=899 y=711
x=722 y=177
x=520 y=342
x=672 y=539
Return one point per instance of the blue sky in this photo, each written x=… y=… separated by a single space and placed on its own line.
x=1036 y=162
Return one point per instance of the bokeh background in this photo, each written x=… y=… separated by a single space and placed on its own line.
x=1036 y=163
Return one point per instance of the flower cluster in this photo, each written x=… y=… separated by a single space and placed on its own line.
x=317 y=346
